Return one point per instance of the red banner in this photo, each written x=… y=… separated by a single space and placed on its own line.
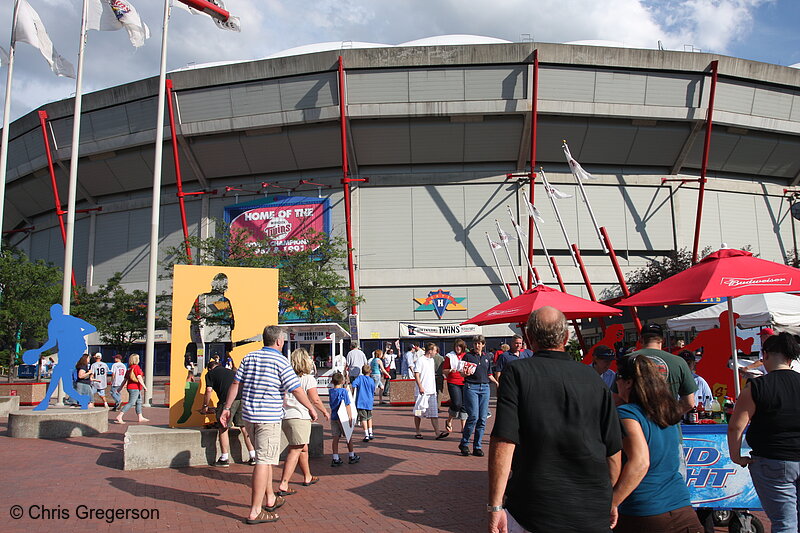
x=281 y=227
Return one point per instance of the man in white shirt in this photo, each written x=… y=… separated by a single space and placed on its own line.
x=409 y=359
x=427 y=403
x=118 y=370
x=99 y=371
x=355 y=360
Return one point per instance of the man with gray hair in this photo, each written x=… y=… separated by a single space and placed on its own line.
x=558 y=434
x=265 y=375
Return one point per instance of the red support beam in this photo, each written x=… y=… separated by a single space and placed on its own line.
x=346 y=182
x=704 y=166
x=563 y=287
x=534 y=120
x=59 y=211
x=178 y=176
x=618 y=271
x=587 y=282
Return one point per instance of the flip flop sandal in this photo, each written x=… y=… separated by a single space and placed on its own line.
x=443 y=435
x=449 y=427
x=418 y=436
x=287 y=492
x=263 y=517
x=279 y=501
x=314 y=479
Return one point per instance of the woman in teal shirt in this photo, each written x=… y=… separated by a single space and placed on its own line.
x=651 y=494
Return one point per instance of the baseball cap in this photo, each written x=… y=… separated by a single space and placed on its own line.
x=652 y=329
x=687 y=355
x=767 y=331
x=625 y=365
x=603 y=352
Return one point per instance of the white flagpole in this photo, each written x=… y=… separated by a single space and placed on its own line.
x=496 y=262
x=74 y=155
x=152 y=274
x=6 y=120
x=585 y=197
x=558 y=216
x=539 y=234
x=501 y=233
x=522 y=243
x=69 y=245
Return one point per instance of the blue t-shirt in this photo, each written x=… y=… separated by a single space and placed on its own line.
x=365 y=388
x=663 y=488
x=335 y=398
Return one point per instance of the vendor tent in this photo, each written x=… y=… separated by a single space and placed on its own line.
x=777 y=309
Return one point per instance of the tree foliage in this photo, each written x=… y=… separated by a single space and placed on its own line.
x=27 y=290
x=119 y=316
x=310 y=280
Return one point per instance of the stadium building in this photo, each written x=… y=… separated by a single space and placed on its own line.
x=435 y=125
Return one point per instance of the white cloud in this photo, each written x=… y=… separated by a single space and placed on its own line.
x=269 y=26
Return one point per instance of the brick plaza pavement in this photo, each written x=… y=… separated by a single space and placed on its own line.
x=401 y=484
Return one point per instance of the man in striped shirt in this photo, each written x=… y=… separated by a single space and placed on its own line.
x=265 y=375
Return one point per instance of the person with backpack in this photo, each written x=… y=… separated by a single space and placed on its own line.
x=377 y=370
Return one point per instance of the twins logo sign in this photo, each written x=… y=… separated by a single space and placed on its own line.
x=440 y=301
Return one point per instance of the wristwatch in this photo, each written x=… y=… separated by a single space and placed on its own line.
x=494 y=508
x=226 y=408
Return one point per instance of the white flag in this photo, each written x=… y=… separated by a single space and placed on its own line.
x=555 y=193
x=505 y=237
x=231 y=24
x=575 y=167
x=533 y=212
x=495 y=245
x=3 y=57
x=30 y=29
x=111 y=15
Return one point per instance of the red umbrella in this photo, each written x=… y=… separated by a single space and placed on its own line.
x=725 y=273
x=518 y=309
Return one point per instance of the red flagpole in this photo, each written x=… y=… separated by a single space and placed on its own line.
x=620 y=277
x=587 y=282
x=346 y=182
x=534 y=116
x=59 y=211
x=178 y=176
x=564 y=290
x=704 y=166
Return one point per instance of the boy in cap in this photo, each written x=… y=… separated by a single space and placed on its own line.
x=99 y=371
x=602 y=356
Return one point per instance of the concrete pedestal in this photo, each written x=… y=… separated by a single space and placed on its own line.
x=8 y=404
x=158 y=447
x=57 y=423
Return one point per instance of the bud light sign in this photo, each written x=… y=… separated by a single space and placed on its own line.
x=715 y=481
x=279 y=225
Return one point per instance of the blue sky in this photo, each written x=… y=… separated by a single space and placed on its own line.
x=762 y=30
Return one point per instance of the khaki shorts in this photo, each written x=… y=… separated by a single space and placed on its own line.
x=364 y=414
x=297 y=431
x=336 y=428
x=267 y=442
x=236 y=413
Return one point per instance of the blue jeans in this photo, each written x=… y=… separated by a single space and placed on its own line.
x=86 y=390
x=117 y=395
x=134 y=398
x=476 y=402
x=778 y=486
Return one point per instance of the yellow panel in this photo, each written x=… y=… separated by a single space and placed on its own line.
x=252 y=294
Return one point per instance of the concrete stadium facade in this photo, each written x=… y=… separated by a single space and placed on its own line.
x=435 y=129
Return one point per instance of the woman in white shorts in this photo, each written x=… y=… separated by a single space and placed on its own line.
x=296 y=423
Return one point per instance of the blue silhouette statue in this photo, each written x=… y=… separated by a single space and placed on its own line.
x=67 y=332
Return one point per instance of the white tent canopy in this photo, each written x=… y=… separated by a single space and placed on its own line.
x=778 y=310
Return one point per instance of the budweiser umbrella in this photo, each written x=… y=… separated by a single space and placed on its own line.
x=517 y=310
x=725 y=273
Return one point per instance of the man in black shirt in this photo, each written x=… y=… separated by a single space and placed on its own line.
x=557 y=432
x=219 y=379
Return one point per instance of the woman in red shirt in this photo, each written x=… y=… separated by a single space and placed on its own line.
x=455 y=385
x=134 y=381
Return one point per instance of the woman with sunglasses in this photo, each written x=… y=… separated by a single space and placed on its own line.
x=771 y=404
x=650 y=494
